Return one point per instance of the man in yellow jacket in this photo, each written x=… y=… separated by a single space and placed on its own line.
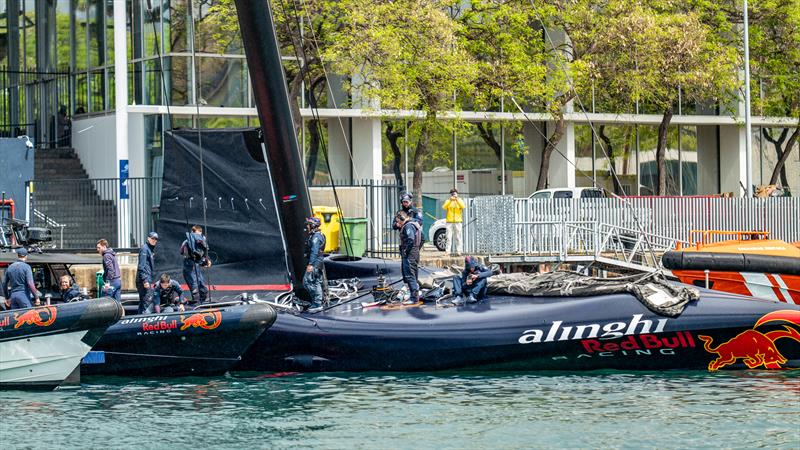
x=454 y=206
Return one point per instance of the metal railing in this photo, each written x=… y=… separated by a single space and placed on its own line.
x=501 y=225
x=86 y=209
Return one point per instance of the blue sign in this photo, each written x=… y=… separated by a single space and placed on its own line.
x=123 y=179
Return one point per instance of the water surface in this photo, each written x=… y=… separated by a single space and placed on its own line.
x=546 y=410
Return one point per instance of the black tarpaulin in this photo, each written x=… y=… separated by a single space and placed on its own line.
x=241 y=222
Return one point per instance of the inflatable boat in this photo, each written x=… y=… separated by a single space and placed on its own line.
x=739 y=262
x=42 y=347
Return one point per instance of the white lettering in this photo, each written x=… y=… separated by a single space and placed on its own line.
x=551 y=335
x=595 y=329
x=534 y=336
x=612 y=330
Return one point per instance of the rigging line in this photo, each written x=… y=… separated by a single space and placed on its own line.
x=591 y=125
x=199 y=123
x=329 y=87
x=314 y=109
x=164 y=96
x=263 y=147
x=196 y=87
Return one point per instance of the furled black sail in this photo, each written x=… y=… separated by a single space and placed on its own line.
x=243 y=227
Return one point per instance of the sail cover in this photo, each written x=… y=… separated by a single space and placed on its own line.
x=240 y=222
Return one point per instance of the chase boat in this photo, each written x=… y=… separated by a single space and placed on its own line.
x=208 y=340
x=740 y=262
x=42 y=347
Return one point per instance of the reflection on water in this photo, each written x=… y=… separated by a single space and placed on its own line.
x=608 y=410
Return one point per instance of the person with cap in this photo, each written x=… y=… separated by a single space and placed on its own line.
x=68 y=289
x=472 y=282
x=167 y=296
x=406 y=205
x=145 y=271
x=195 y=257
x=410 y=243
x=112 y=276
x=454 y=207
x=313 y=277
x=18 y=285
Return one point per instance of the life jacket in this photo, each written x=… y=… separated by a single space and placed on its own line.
x=197 y=247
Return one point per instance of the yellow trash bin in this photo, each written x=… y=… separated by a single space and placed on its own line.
x=329 y=218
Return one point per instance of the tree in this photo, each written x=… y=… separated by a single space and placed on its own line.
x=403 y=54
x=658 y=54
x=774 y=61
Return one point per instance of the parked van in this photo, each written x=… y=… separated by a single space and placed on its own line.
x=576 y=192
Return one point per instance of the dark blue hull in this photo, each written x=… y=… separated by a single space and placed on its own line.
x=523 y=333
x=199 y=342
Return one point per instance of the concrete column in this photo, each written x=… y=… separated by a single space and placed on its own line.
x=732 y=168
x=367 y=149
x=561 y=172
x=339 y=142
x=707 y=160
x=532 y=133
x=121 y=120
x=562 y=169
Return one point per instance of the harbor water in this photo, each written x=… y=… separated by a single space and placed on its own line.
x=734 y=409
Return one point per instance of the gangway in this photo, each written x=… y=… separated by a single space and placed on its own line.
x=602 y=245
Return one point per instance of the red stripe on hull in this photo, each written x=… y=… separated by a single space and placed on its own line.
x=735 y=283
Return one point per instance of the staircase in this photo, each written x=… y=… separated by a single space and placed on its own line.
x=64 y=194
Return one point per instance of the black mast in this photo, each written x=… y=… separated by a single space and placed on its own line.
x=272 y=100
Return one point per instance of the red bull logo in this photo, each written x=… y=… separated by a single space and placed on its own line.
x=754 y=348
x=42 y=317
x=206 y=320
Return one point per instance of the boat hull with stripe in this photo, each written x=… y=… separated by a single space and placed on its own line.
x=42 y=347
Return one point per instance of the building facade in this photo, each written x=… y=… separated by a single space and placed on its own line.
x=60 y=84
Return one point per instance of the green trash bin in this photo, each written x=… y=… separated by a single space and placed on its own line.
x=98 y=279
x=353 y=229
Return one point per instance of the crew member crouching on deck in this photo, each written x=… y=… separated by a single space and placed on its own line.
x=472 y=282
x=313 y=278
x=167 y=296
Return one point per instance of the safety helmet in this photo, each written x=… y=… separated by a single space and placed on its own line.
x=314 y=222
x=405 y=198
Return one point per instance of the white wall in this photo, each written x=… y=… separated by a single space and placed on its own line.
x=94 y=141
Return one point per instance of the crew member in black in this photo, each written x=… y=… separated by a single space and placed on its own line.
x=145 y=271
x=195 y=253
x=472 y=282
x=407 y=207
x=410 y=243
x=69 y=290
x=167 y=296
x=313 y=277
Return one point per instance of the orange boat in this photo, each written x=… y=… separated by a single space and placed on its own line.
x=740 y=262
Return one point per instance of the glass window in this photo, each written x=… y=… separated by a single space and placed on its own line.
x=562 y=194
x=178 y=78
x=592 y=193
x=223 y=82
x=81 y=30
x=95 y=13
x=63 y=41
x=541 y=195
x=97 y=100
x=81 y=94
x=109 y=33
x=152 y=82
x=689 y=159
x=175 y=25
